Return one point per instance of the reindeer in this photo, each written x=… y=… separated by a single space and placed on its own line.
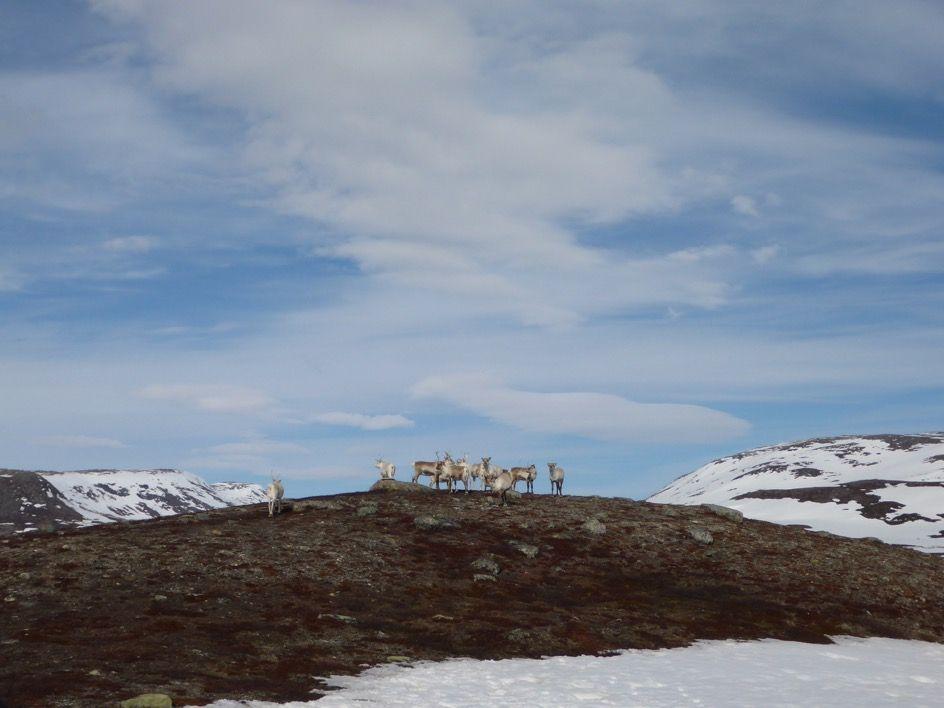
x=275 y=492
x=428 y=469
x=525 y=474
x=489 y=475
x=501 y=484
x=557 y=478
x=480 y=471
x=455 y=471
x=388 y=470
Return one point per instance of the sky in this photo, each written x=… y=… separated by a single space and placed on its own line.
x=240 y=238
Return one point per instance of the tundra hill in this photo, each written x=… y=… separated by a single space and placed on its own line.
x=887 y=486
x=230 y=603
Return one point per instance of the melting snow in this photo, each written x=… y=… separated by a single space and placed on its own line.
x=838 y=461
x=852 y=672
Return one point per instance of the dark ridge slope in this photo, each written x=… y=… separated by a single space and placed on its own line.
x=231 y=603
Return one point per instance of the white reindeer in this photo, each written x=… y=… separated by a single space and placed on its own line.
x=525 y=474
x=275 y=492
x=557 y=478
x=388 y=470
x=480 y=471
x=491 y=474
x=501 y=484
x=455 y=471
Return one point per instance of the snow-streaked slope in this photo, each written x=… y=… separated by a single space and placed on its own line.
x=101 y=496
x=239 y=493
x=853 y=672
x=890 y=487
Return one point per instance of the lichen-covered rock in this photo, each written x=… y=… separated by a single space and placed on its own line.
x=483 y=578
x=307 y=504
x=368 y=509
x=525 y=548
x=487 y=564
x=394 y=485
x=149 y=700
x=346 y=619
x=435 y=523
x=703 y=536
x=724 y=512
x=594 y=526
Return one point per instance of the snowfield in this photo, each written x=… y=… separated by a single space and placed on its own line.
x=851 y=672
x=889 y=487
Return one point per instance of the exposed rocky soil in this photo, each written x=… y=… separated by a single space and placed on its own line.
x=231 y=603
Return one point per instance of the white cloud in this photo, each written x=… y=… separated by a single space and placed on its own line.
x=765 y=254
x=80 y=441
x=130 y=244
x=84 y=140
x=745 y=205
x=257 y=447
x=10 y=280
x=215 y=398
x=597 y=415
x=364 y=422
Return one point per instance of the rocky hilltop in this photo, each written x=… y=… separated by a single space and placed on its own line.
x=887 y=486
x=55 y=500
x=230 y=603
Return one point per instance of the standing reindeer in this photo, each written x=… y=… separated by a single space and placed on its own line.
x=388 y=470
x=275 y=492
x=480 y=471
x=557 y=479
x=524 y=474
x=428 y=469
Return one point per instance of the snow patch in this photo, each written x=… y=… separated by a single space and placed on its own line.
x=853 y=672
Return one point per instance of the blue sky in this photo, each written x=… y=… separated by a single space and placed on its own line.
x=242 y=237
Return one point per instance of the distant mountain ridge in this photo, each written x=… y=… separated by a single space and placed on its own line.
x=31 y=500
x=889 y=487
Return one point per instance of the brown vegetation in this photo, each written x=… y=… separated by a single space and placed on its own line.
x=231 y=603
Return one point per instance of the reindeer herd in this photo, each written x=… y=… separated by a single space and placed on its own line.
x=445 y=469
x=497 y=479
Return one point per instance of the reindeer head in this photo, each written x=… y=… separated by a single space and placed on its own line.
x=551 y=466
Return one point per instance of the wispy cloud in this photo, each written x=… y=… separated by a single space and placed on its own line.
x=10 y=280
x=130 y=244
x=745 y=205
x=215 y=398
x=596 y=415
x=80 y=441
x=364 y=422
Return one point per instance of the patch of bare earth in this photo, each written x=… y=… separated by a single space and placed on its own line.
x=233 y=604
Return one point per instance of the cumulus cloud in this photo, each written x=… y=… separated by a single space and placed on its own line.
x=215 y=398
x=80 y=441
x=596 y=415
x=364 y=422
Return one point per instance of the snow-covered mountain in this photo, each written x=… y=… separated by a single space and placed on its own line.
x=889 y=487
x=31 y=500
